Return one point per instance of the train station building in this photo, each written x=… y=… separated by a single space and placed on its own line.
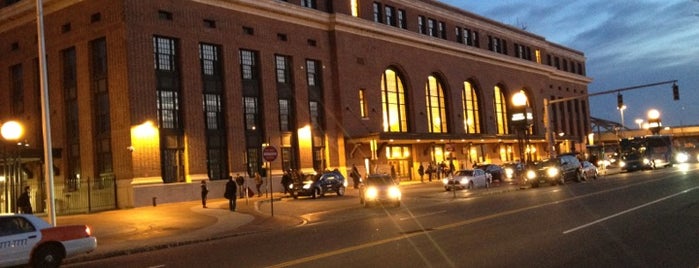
x=147 y=98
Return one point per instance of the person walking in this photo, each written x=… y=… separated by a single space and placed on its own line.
x=421 y=171
x=258 y=183
x=393 y=172
x=230 y=193
x=204 y=193
x=241 y=185
x=286 y=181
x=23 y=202
x=355 y=176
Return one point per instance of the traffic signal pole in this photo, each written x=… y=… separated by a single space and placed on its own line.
x=547 y=106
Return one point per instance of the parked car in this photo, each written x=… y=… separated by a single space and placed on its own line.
x=467 y=179
x=28 y=240
x=317 y=185
x=379 y=188
x=495 y=171
x=589 y=170
x=557 y=170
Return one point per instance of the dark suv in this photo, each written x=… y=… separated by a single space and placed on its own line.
x=317 y=185
x=558 y=170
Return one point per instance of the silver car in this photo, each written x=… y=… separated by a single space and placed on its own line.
x=467 y=179
x=589 y=170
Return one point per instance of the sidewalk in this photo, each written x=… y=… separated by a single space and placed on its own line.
x=127 y=231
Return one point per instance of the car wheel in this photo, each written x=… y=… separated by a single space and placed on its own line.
x=294 y=195
x=316 y=193
x=595 y=177
x=446 y=188
x=341 y=191
x=47 y=256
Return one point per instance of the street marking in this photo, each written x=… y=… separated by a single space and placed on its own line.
x=628 y=210
x=423 y=215
x=453 y=225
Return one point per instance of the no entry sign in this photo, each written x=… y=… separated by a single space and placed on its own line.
x=269 y=153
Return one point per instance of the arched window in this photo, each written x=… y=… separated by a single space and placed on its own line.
x=500 y=111
x=436 y=110
x=393 y=102
x=472 y=118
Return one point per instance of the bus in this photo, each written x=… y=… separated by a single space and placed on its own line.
x=646 y=152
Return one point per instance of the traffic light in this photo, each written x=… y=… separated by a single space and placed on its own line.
x=675 y=92
x=619 y=101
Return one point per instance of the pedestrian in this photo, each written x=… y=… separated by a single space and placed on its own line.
x=393 y=172
x=230 y=193
x=241 y=184
x=258 y=183
x=204 y=193
x=23 y=202
x=355 y=176
x=430 y=170
x=286 y=181
x=421 y=171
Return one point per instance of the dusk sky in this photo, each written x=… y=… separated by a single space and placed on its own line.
x=626 y=43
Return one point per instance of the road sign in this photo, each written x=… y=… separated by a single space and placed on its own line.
x=269 y=153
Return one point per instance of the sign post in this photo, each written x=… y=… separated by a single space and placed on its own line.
x=269 y=154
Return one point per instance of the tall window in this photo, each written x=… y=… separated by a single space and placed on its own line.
x=500 y=111
x=402 y=21
x=70 y=87
x=169 y=112
x=472 y=121
x=377 y=12
x=317 y=112
x=421 y=25
x=250 y=113
x=362 y=104
x=441 y=30
x=283 y=69
x=393 y=102
x=248 y=64
x=431 y=31
x=354 y=6
x=390 y=16
x=253 y=119
x=436 y=110
x=214 y=115
x=284 y=115
x=102 y=122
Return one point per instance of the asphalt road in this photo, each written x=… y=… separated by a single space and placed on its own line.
x=640 y=219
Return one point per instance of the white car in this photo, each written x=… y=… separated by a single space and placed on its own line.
x=467 y=179
x=27 y=239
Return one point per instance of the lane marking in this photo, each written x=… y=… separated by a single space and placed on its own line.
x=628 y=210
x=449 y=226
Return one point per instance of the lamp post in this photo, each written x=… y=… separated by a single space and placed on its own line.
x=621 y=111
x=11 y=131
x=654 y=122
x=521 y=118
x=639 y=121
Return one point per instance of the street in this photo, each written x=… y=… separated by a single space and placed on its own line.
x=639 y=219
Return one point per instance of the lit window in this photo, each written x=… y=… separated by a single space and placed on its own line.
x=436 y=111
x=362 y=104
x=500 y=111
x=393 y=102
x=354 y=6
x=538 y=56
x=471 y=114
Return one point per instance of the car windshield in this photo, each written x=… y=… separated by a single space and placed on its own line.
x=379 y=180
x=464 y=173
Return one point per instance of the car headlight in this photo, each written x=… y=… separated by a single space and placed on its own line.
x=344 y=183
x=291 y=186
x=681 y=157
x=509 y=173
x=646 y=161
x=622 y=163
x=445 y=181
x=307 y=186
x=371 y=193
x=464 y=181
x=394 y=192
x=552 y=172
x=531 y=174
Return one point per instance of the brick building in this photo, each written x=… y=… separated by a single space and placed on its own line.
x=149 y=96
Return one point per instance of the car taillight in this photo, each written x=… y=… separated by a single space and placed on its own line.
x=88 y=231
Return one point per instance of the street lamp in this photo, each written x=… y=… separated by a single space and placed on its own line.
x=621 y=111
x=11 y=131
x=522 y=119
x=639 y=121
x=654 y=122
